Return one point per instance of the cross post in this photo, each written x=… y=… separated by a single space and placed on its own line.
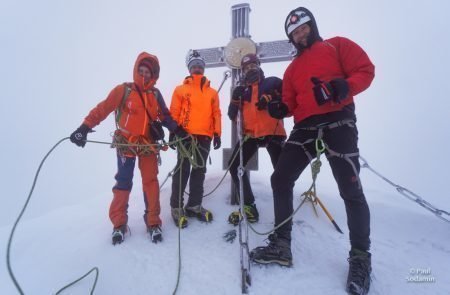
x=230 y=56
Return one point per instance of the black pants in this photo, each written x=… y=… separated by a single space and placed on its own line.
x=294 y=159
x=273 y=145
x=196 y=176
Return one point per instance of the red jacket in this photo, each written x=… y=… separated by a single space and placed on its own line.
x=337 y=57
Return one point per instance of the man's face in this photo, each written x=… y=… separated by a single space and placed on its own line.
x=249 y=67
x=145 y=73
x=197 y=70
x=300 y=34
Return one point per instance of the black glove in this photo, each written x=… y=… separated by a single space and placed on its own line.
x=171 y=140
x=180 y=132
x=79 y=136
x=335 y=90
x=233 y=110
x=156 y=131
x=217 y=142
x=277 y=109
x=341 y=89
x=238 y=93
x=263 y=101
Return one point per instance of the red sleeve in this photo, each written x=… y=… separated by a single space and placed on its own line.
x=289 y=96
x=358 y=68
x=104 y=108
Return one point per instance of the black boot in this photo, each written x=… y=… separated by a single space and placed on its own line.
x=277 y=251
x=118 y=235
x=155 y=233
x=360 y=267
x=199 y=212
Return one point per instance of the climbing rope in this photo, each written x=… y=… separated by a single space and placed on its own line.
x=8 y=250
x=155 y=147
x=76 y=281
x=310 y=194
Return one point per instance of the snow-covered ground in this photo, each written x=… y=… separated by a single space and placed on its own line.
x=60 y=58
x=53 y=249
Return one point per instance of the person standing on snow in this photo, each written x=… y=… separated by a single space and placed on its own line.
x=195 y=107
x=259 y=127
x=318 y=90
x=140 y=110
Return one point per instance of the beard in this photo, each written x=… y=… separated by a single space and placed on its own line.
x=252 y=76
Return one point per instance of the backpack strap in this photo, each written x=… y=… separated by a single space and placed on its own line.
x=118 y=111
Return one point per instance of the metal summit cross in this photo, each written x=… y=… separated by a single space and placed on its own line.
x=231 y=56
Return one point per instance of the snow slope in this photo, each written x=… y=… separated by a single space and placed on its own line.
x=51 y=250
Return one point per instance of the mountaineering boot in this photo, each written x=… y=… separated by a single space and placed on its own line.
x=277 y=251
x=360 y=267
x=155 y=233
x=198 y=211
x=179 y=217
x=118 y=235
x=250 y=211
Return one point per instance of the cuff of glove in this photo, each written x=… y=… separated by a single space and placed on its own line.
x=84 y=128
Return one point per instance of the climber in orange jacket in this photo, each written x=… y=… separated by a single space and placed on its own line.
x=252 y=95
x=140 y=111
x=195 y=107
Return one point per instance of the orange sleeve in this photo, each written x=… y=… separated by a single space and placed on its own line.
x=104 y=108
x=175 y=104
x=217 y=115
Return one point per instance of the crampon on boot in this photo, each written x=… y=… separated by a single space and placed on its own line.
x=155 y=233
x=179 y=217
x=360 y=267
x=250 y=211
x=118 y=234
x=277 y=251
x=199 y=212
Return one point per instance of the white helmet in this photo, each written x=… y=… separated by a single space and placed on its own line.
x=193 y=58
x=295 y=19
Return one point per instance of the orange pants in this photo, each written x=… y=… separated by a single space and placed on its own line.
x=124 y=182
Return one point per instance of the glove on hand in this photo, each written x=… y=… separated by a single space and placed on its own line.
x=233 y=111
x=263 y=101
x=238 y=93
x=277 y=109
x=180 y=132
x=171 y=140
x=335 y=90
x=79 y=136
x=216 y=141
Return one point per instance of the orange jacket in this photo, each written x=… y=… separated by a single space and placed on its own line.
x=134 y=119
x=195 y=106
x=258 y=123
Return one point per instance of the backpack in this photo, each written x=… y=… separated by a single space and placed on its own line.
x=155 y=126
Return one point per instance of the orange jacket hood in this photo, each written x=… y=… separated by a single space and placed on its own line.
x=197 y=79
x=155 y=71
